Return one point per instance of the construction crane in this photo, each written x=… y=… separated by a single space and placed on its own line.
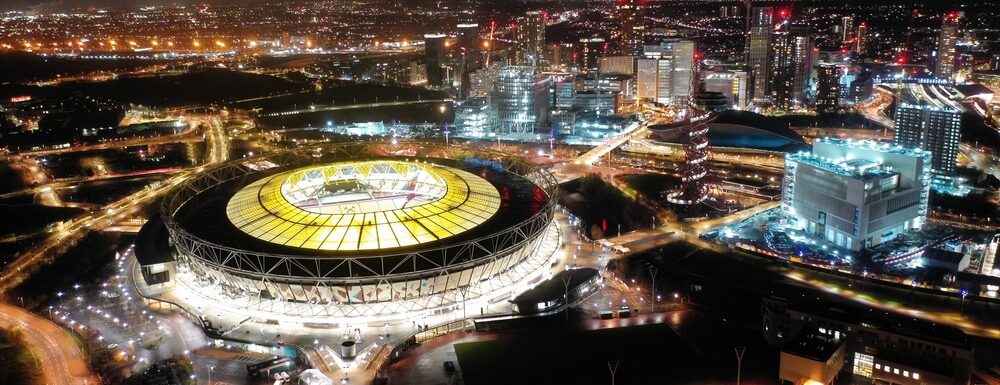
x=489 y=42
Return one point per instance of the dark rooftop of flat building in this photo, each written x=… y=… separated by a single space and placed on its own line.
x=813 y=345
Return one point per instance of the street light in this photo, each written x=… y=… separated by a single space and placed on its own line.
x=565 y=279
x=652 y=291
x=739 y=361
x=613 y=368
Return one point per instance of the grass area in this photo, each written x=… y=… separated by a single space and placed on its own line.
x=82 y=263
x=647 y=354
x=20 y=367
x=602 y=207
x=652 y=185
x=32 y=218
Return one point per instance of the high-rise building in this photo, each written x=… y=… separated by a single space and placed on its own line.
x=684 y=69
x=945 y=67
x=759 y=51
x=927 y=119
x=792 y=51
x=729 y=11
x=646 y=75
x=472 y=118
x=631 y=14
x=565 y=91
x=594 y=102
x=530 y=38
x=675 y=70
x=521 y=100
x=561 y=56
x=827 y=88
x=732 y=84
x=621 y=65
x=469 y=50
x=856 y=195
x=591 y=50
x=861 y=42
x=862 y=87
x=483 y=81
x=846 y=28
x=468 y=38
x=434 y=55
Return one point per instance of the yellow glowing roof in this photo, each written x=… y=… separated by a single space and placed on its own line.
x=363 y=205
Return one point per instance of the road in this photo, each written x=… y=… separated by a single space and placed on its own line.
x=874 y=110
x=19 y=268
x=182 y=137
x=354 y=106
x=61 y=359
x=592 y=156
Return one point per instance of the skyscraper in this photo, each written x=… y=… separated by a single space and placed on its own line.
x=732 y=84
x=434 y=59
x=791 y=53
x=530 y=38
x=468 y=38
x=861 y=42
x=646 y=75
x=846 y=28
x=673 y=61
x=759 y=50
x=591 y=50
x=684 y=69
x=827 y=88
x=468 y=48
x=521 y=100
x=945 y=67
x=622 y=65
x=633 y=26
x=926 y=119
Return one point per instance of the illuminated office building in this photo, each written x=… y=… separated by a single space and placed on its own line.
x=856 y=194
x=521 y=100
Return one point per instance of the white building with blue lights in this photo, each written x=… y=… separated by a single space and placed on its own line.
x=857 y=194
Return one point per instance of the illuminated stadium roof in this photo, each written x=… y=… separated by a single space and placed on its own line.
x=363 y=205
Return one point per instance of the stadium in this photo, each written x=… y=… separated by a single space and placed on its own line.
x=361 y=231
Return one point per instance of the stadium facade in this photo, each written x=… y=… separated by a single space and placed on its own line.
x=370 y=231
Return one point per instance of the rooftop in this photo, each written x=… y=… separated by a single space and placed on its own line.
x=856 y=167
x=365 y=205
x=934 y=96
x=813 y=345
x=884 y=321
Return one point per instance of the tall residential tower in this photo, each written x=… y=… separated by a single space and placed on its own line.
x=530 y=38
x=759 y=51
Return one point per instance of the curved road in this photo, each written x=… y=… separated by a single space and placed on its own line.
x=62 y=361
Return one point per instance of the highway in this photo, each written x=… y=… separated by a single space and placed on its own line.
x=592 y=156
x=62 y=361
x=354 y=106
x=182 y=137
x=18 y=269
x=874 y=110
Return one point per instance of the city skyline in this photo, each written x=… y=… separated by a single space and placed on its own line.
x=499 y=192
